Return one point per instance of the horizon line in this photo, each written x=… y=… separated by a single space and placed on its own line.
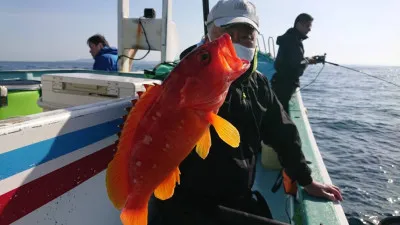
x=158 y=61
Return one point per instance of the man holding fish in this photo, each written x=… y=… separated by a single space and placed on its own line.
x=190 y=144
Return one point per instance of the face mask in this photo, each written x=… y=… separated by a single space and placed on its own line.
x=209 y=37
x=241 y=51
x=244 y=52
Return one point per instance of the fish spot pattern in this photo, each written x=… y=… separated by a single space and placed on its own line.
x=147 y=139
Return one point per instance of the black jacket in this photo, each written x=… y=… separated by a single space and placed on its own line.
x=254 y=110
x=288 y=63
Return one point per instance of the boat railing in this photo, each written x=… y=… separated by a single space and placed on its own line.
x=273 y=46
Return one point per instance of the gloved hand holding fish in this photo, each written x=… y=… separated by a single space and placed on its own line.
x=169 y=121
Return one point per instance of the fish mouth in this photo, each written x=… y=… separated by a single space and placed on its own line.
x=235 y=64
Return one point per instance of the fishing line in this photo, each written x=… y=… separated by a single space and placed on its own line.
x=345 y=67
x=314 y=78
x=359 y=71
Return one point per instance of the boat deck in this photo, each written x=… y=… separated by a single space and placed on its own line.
x=309 y=210
x=305 y=209
x=279 y=203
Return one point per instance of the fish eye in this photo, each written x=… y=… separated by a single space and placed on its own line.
x=204 y=57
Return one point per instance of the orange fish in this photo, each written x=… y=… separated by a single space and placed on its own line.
x=167 y=123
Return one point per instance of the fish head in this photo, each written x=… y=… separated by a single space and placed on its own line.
x=217 y=61
x=209 y=71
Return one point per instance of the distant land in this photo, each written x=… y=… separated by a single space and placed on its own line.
x=79 y=60
x=64 y=64
x=92 y=60
x=75 y=60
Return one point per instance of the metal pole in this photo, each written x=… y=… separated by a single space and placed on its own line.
x=206 y=9
x=123 y=13
x=167 y=17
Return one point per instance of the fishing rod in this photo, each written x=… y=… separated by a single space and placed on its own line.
x=206 y=10
x=359 y=71
x=321 y=59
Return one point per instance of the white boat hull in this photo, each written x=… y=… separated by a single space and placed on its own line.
x=53 y=165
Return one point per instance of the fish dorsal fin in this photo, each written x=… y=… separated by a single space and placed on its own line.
x=117 y=178
x=225 y=130
x=191 y=97
x=204 y=144
x=166 y=189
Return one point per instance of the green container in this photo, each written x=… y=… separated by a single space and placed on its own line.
x=21 y=99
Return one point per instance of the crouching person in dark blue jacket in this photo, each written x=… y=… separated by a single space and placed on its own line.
x=105 y=57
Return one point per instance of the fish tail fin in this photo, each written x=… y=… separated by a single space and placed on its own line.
x=135 y=212
x=117 y=177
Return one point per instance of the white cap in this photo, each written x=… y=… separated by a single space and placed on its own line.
x=233 y=11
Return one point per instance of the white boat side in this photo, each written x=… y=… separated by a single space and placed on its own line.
x=53 y=163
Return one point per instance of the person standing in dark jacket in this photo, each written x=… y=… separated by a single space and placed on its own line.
x=105 y=57
x=226 y=176
x=290 y=62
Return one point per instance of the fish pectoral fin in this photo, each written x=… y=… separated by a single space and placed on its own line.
x=204 y=144
x=225 y=130
x=166 y=189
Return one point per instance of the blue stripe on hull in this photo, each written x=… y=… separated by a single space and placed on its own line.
x=26 y=157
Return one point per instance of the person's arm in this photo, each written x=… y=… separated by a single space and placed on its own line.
x=281 y=134
x=294 y=55
x=102 y=63
x=290 y=58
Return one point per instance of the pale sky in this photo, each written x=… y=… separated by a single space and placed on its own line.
x=349 y=31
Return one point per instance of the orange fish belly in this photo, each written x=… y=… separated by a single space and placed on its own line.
x=161 y=143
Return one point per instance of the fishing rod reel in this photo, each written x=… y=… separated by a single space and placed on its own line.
x=320 y=58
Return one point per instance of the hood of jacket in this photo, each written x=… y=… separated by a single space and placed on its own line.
x=290 y=34
x=108 y=50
